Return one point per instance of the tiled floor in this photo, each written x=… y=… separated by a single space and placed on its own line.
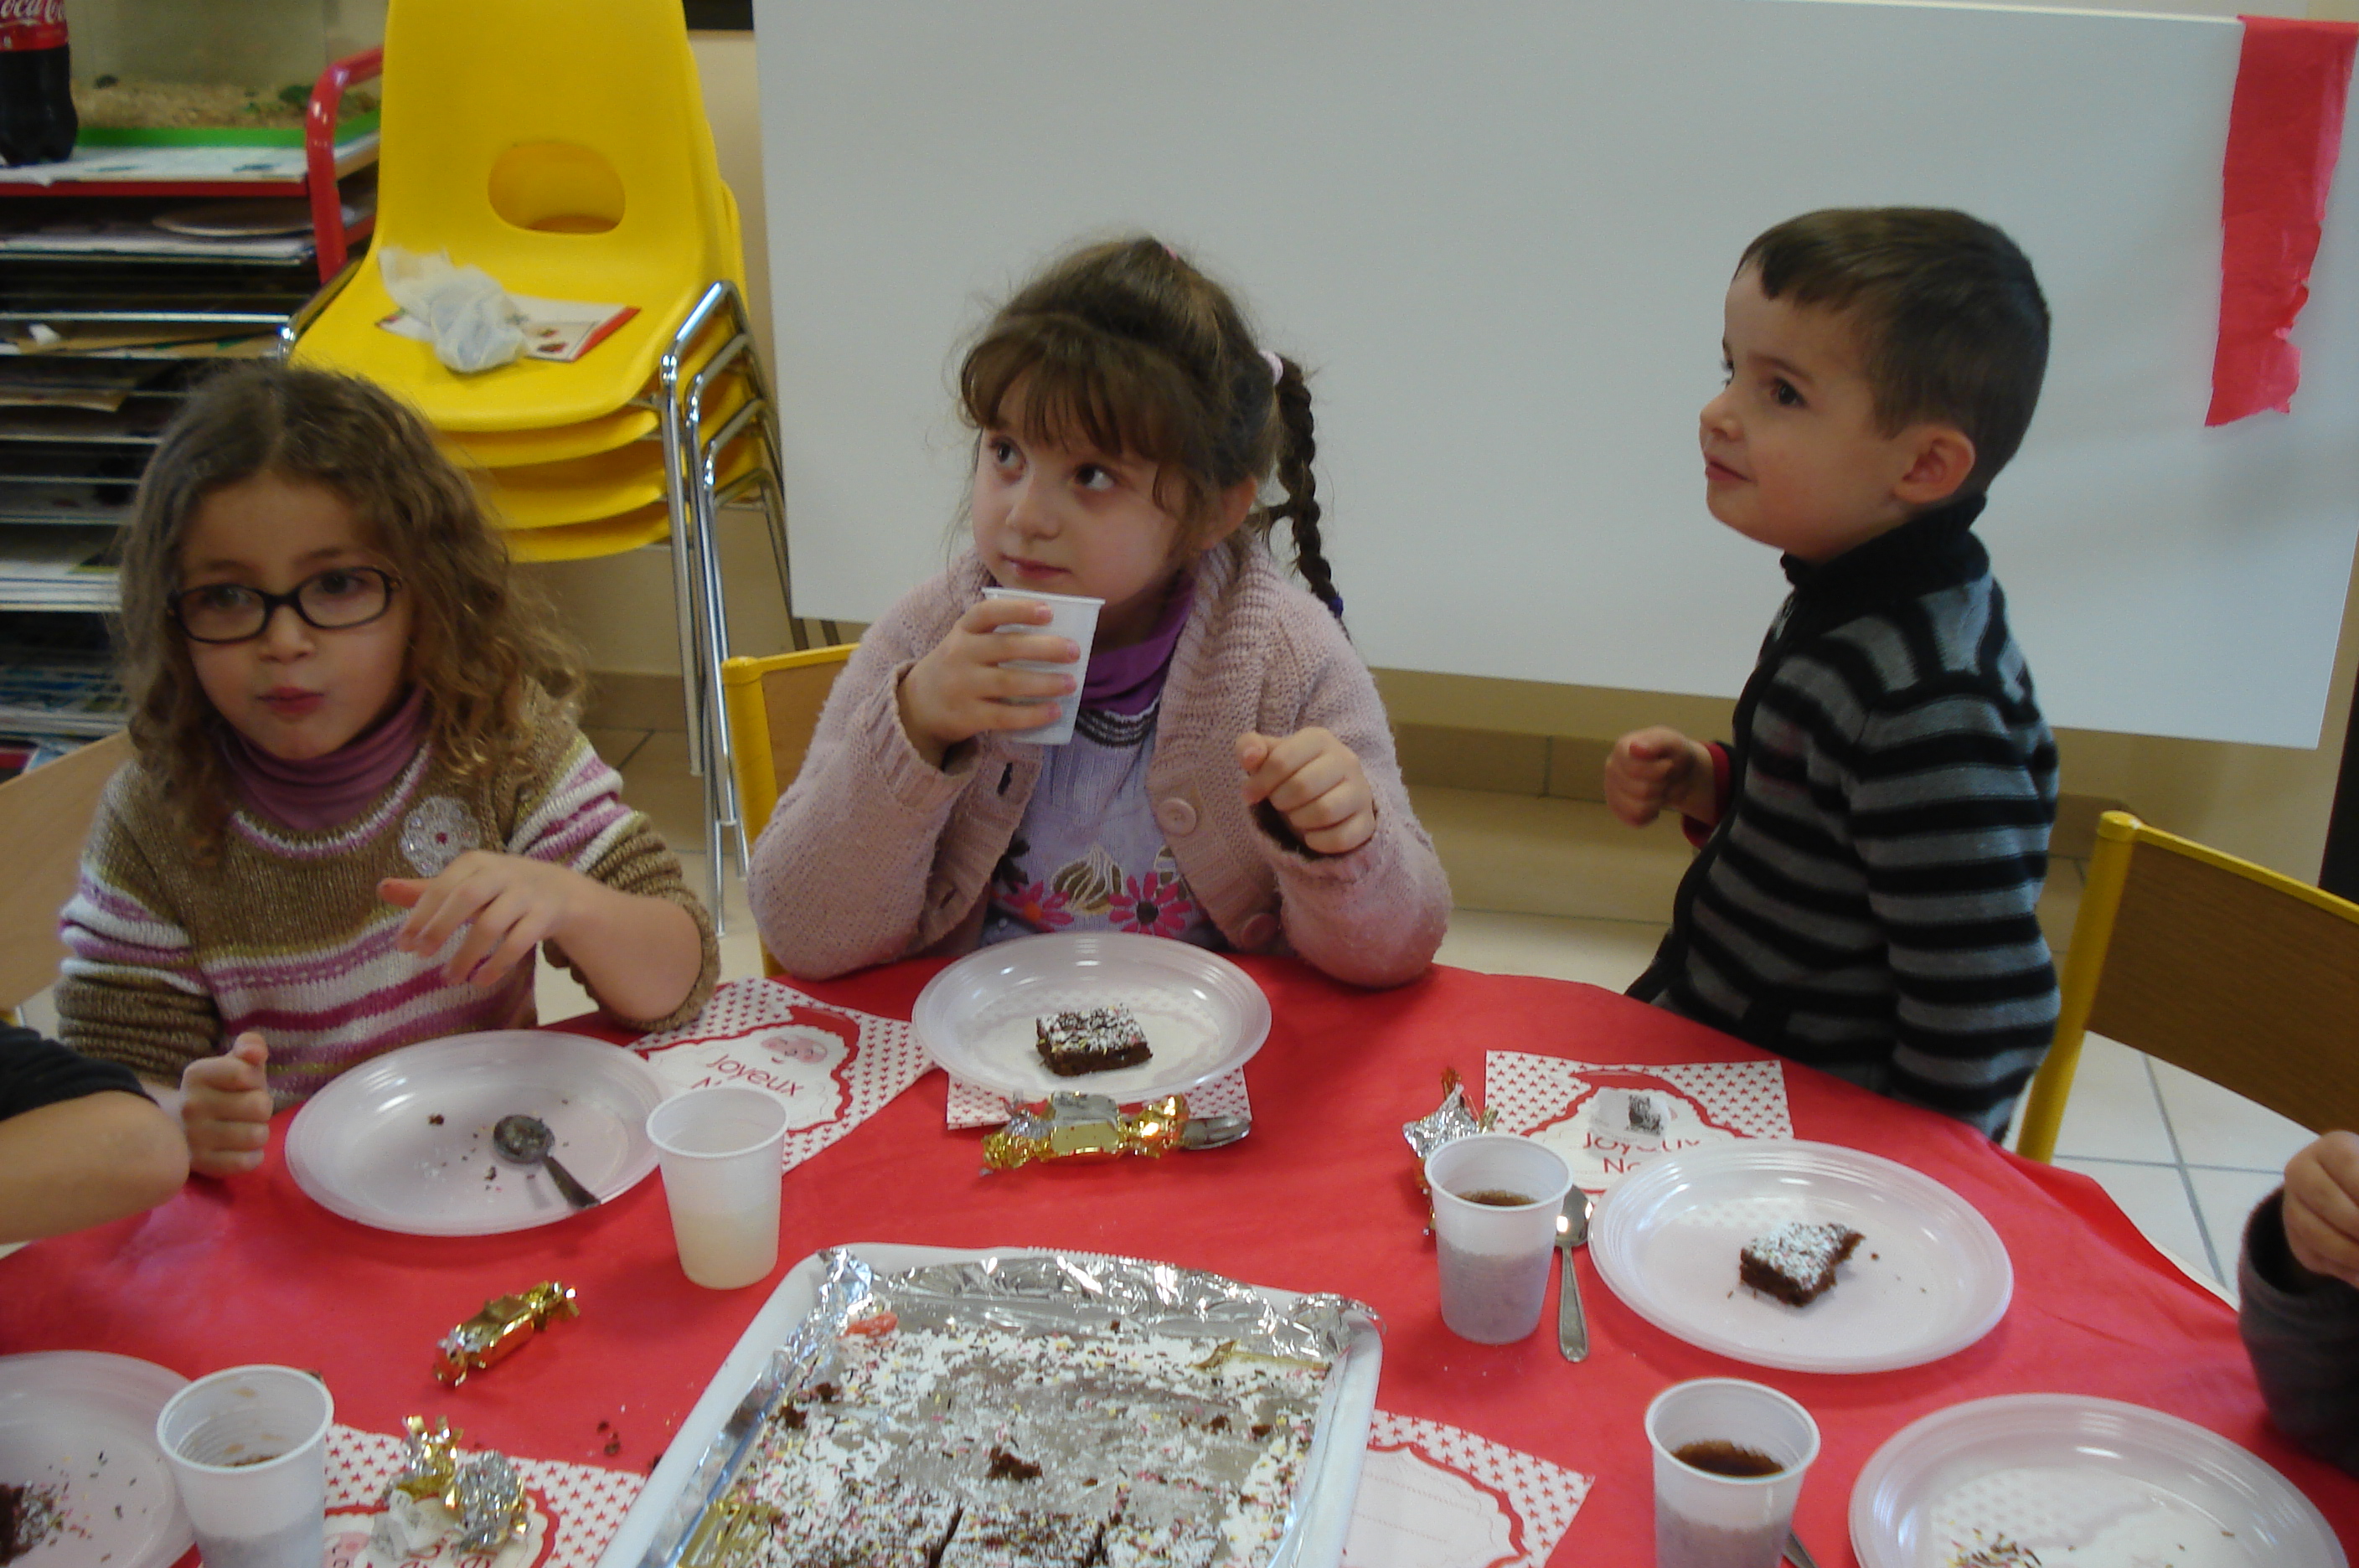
x=1558 y=888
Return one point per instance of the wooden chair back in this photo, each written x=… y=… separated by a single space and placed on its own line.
x=45 y=817
x=773 y=705
x=2230 y=971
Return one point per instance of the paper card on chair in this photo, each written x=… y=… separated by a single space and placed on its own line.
x=1608 y=1121
x=559 y=330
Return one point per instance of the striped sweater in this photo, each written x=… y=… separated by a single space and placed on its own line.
x=171 y=960
x=1864 y=903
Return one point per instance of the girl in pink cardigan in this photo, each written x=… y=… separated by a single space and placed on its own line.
x=1231 y=780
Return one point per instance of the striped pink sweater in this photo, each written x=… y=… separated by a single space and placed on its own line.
x=171 y=960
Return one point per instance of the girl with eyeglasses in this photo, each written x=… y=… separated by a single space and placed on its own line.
x=359 y=799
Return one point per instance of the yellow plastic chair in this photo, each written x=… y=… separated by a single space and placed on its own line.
x=586 y=541
x=45 y=815
x=553 y=495
x=566 y=444
x=568 y=156
x=773 y=705
x=2224 y=968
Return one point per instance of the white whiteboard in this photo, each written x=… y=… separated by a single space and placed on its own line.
x=1499 y=231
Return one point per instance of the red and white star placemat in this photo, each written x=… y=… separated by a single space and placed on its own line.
x=574 y=1510
x=832 y=1067
x=972 y=1105
x=1434 y=1496
x=1583 y=1110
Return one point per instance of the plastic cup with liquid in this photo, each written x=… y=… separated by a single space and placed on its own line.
x=1495 y=1200
x=249 y=1448
x=720 y=1153
x=1070 y=615
x=1729 y=1460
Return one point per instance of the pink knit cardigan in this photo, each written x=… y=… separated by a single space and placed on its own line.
x=874 y=855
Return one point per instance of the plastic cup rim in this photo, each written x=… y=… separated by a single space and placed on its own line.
x=774 y=1136
x=1784 y=1473
x=1554 y=1201
x=995 y=592
x=260 y=1467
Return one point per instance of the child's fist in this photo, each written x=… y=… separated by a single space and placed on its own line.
x=2321 y=1207
x=1652 y=769
x=1316 y=783
x=225 y=1108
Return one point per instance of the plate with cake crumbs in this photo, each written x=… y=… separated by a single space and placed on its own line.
x=896 y=1404
x=2067 y=1481
x=1805 y=1256
x=1135 y=1018
x=403 y=1142
x=82 y=1480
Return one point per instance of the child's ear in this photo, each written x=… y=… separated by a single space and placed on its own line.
x=1944 y=456
x=1236 y=502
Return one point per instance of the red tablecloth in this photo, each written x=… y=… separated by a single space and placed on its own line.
x=1322 y=1197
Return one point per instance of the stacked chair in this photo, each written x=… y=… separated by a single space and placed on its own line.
x=567 y=154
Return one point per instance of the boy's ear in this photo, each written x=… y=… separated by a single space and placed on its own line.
x=1944 y=456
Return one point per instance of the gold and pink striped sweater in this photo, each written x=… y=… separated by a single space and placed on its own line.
x=171 y=960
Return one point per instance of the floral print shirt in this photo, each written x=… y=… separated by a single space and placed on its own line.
x=1088 y=854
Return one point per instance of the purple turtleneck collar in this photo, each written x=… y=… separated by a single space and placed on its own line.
x=322 y=792
x=1127 y=681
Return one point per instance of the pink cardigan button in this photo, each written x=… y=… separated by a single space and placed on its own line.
x=1176 y=816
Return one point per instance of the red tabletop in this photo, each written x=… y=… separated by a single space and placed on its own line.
x=1321 y=1197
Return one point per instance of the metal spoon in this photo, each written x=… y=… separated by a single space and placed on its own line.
x=1572 y=1233
x=526 y=1141
x=1795 y=1553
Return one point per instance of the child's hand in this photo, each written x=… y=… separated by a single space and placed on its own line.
x=1650 y=769
x=225 y=1108
x=2321 y=1206
x=962 y=686
x=511 y=904
x=1316 y=783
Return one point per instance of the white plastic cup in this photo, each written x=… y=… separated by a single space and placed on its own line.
x=248 y=1448
x=1070 y=615
x=720 y=1152
x=1703 y=1520
x=1495 y=1256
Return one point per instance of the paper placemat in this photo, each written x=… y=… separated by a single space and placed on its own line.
x=972 y=1105
x=575 y=1509
x=1583 y=1109
x=832 y=1067
x=1435 y=1496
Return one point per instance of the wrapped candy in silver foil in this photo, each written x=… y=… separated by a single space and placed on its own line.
x=1454 y=1118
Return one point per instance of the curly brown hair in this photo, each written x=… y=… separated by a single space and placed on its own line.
x=479 y=638
x=1125 y=345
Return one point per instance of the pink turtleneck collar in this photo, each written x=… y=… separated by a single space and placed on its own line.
x=322 y=792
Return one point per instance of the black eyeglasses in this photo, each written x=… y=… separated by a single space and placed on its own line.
x=335 y=600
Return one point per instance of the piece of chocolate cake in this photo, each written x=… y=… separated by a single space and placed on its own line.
x=29 y=1517
x=1095 y=1041
x=1795 y=1262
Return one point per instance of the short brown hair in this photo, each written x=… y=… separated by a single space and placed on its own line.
x=477 y=638
x=1125 y=345
x=1950 y=320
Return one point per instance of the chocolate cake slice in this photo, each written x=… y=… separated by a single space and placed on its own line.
x=1096 y=1042
x=1795 y=1262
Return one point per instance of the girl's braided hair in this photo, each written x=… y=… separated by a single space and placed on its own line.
x=1127 y=347
x=478 y=637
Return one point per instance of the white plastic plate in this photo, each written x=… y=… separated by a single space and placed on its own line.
x=403 y=1142
x=86 y=1423
x=1202 y=1015
x=1931 y=1279
x=2079 y=1480
x=1338 y=1447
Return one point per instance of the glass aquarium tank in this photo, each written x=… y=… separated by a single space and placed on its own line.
x=213 y=70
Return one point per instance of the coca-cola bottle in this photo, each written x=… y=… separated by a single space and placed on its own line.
x=37 y=112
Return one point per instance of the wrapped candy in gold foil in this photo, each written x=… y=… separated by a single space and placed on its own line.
x=501 y=1329
x=1075 y=1126
x=428 y=1463
x=437 y=1496
x=1454 y=1118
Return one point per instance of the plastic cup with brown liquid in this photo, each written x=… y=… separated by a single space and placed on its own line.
x=1729 y=1460
x=1496 y=1199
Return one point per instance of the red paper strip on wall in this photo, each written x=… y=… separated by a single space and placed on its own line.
x=2285 y=128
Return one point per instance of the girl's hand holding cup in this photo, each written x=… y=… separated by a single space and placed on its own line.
x=964 y=687
x=225 y=1108
x=1316 y=783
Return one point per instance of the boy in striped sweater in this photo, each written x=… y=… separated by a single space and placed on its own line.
x=1873 y=837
